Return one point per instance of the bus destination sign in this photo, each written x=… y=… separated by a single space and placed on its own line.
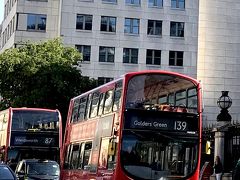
x=160 y=121
x=33 y=140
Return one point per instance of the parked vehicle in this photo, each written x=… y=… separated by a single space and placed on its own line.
x=6 y=172
x=28 y=169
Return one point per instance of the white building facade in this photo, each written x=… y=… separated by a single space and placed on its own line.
x=114 y=36
x=218 y=55
x=117 y=36
x=29 y=20
x=132 y=35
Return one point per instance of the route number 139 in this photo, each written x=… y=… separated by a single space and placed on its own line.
x=180 y=125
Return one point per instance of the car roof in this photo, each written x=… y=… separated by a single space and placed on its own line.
x=38 y=160
x=3 y=164
x=12 y=172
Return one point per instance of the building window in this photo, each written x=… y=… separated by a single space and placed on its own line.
x=108 y=24
x=39 y=0
x=106 y=54
x=177 y=29
x=154 y=27
x=130 y=55
x=131 y=26
x=133 y=2
x=103 y=80
x=176 y=58
x=109 y=1
x=84 y=22
x=155 y=3
x=153 y=57
x=36 y=22
x=85 y=50
x=179 y=4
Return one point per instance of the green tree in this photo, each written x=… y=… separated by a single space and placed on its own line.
x=41 y=75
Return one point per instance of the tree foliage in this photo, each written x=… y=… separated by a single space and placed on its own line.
x=41 y=75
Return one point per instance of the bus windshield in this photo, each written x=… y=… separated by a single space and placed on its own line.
x=155 y=155
x=161 y=92
x=35 y=120
x=161 y=127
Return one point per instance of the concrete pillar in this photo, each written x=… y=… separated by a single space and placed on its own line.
x=219 y=145
x=220 y=131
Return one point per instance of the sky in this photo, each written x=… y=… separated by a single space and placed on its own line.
x=1 y=10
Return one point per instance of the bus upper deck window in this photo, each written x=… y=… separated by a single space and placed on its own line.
x=100 y=109
x=108 y=102
x=94 y=105
x=75 y=110
x=117 y=99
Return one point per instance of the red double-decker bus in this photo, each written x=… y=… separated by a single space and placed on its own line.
x=144 y=125
x=27 y=133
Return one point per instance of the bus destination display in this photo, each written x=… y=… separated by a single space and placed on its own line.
x=140 y=120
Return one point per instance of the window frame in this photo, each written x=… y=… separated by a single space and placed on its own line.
x=133 y=2
x=178 y=30
x=78 y=155
x=94 y=104
x=155 y=4
x=175 y=4
x=177 y=61
x=117 y=96
x=84 y=51
x=154 y=59
x=104 y=80
x=128 y=59
x=83 y=152
x=82 y=114
x=37 y=19
x=108 y=108
x=191 y=97
x=75 y=110
x=154 y=28
x=84 y=22
x=181 y=96
x=108 y=25
x=109 y=1
x=107 y=56
x=101 y=104
x=129 y=28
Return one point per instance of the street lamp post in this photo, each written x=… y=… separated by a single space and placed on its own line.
x=223 y=121
x=224 y=102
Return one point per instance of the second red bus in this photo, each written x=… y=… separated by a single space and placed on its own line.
x=27 y=133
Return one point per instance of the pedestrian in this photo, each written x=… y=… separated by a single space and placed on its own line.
x=236 y=171
x=218 y=168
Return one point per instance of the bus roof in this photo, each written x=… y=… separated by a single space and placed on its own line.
x=129 y=74
x=33 y=109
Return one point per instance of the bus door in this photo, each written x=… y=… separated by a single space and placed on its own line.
x=107 y=157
